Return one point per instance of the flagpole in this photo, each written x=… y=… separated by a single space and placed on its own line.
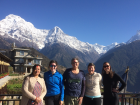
x=123 y=96
x=126 y=79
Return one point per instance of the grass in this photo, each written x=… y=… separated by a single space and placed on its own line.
x=12 y=74
x=14 y=86
x=16 y=81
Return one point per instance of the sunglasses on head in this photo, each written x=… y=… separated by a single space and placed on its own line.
x=106 y=66
x=52 y=65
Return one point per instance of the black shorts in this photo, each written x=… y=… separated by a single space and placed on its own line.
x=52 y=100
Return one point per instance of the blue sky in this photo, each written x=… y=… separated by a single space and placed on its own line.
x=93 y=21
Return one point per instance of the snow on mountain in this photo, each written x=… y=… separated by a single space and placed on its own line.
x=15 y=27
x=135 y=37
x=57 y=35
x=103 y=49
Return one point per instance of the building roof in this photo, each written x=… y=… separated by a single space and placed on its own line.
x=5 y=57
x=21 y=49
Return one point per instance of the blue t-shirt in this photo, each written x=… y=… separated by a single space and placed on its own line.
x=73 y=83
x=54 y=84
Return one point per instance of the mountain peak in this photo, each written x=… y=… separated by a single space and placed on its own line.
x=135 y=37
x=12 y=16
x=115 y=43
x=56 y=27
x=13 y=21
x=56 y=31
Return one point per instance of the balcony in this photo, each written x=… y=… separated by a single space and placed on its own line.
x=29 y=63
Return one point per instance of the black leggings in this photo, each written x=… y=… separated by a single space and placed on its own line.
x=91 y=101
x=52 y=100
x=114 y=100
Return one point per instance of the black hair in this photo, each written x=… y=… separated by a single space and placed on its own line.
x=33 y=69
x=111 y=73
x=91 y=64
x=53 y=61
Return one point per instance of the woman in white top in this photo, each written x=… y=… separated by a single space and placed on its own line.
x=92 y=92
x=33 y=88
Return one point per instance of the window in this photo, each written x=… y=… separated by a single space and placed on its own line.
x=22 y=53
x=21 y=60
x=36 y=61
x=21 y=70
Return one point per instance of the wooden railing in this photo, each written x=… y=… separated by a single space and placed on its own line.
x=124 y=99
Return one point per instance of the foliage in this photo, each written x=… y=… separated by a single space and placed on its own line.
x=10 y=69
x=15 y=81
x=3 y=75
x=13 y=74
x=14 y=86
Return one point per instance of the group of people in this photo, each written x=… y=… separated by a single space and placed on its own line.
x=73 y=88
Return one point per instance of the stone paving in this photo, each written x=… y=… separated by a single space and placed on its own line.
x=4 y=81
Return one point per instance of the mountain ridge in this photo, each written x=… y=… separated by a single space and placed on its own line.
x=16 y=27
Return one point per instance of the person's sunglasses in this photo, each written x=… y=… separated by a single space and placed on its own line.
x=52 y=65
x=74 y=62
x=106 y=66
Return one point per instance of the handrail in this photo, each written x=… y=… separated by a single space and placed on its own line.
x=135 y=100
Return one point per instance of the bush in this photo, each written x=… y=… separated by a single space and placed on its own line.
x=10 y=69
x=14 y=86
x=13 y=74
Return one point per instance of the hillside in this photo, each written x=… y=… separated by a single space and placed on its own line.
x=120 y=58
x=63 y=54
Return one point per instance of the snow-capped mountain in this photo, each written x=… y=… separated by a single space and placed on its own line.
x=15 y=27
x=57 y=35
x=135 y=37
x=53 y=43
x=103 y=49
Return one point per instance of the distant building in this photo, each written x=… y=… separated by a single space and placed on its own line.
x=4 y=63
x=23 y=60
